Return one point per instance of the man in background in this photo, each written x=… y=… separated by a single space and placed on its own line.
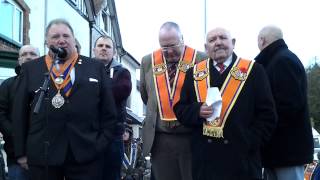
x=291 y=145
x=7 y=93
x=105 y=51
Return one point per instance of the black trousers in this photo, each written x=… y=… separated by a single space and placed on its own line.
x=112 y=161
x=70 y=170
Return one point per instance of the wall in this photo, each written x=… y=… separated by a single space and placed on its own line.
x=42 y=12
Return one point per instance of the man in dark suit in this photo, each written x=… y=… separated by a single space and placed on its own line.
x=76 y=120
x=228 y=146
x=105 y=51
x=7 y=94
x=161 y=77
x=291 y=145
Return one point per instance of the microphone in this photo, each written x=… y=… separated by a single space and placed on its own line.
x=60 y=52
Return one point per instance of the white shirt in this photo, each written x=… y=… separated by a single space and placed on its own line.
x=226 y=63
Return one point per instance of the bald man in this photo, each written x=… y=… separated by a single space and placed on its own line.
x=7 y=92
x=161 y=77
x=228 y=146
x=291 y=145
x=28 y=53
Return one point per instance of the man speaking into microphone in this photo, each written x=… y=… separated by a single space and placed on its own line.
x=75 y=121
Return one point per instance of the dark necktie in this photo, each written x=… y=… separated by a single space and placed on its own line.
x=172 y=69
x=221 y=67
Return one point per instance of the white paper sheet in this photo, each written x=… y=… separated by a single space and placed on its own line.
x=214 y=99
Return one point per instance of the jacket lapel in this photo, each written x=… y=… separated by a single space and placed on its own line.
x=77 y=75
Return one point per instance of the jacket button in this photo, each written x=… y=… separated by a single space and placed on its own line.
x=226 y=141
x=209 y=140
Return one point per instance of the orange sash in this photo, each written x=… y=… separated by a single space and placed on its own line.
x=309 y=170
x=230 y=91
x=166 y=96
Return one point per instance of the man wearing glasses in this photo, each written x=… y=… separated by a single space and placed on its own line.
x=162 y=75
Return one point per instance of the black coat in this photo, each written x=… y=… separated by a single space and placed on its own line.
x=292 y=141
x=84 y=124
x=248 y=126
x=7 y=91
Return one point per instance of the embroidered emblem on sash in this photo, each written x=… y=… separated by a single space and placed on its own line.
x=238 y=74
x=200 y=75
x=159 y=69
x=183 y=66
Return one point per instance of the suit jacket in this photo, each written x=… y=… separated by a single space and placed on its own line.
x=84 y=124
x=292 y=142
x=149 y=98
x=248 y=127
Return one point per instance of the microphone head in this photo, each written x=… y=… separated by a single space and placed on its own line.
x=60 y=52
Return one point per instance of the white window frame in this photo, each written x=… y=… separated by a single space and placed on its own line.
x=14 y=28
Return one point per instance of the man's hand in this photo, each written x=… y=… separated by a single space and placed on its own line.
x=206 y=111
x=22 y=161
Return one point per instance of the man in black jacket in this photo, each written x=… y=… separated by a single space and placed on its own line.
x=121 y=87
x=228 y=146
x=291 y=145
x=7 y=93
x=64 y=138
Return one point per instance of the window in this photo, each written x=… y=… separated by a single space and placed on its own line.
x=106 y=20
x=11 y=18
x=79 y=5
x=316 y=142
x=74 y=2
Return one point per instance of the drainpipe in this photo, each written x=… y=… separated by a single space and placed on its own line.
x=45 y=24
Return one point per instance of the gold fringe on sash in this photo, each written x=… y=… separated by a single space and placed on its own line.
x=216 y=132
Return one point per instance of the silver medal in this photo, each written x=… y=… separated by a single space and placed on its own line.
x=59 y=80
x=58 y=100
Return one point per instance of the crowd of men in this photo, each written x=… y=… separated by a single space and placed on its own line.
x=209 y=115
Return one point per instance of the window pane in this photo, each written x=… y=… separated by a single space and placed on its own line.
x=6 y=14
x=6 y=73
x=18 y=26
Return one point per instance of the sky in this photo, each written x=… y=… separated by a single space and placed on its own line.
x=299 y=20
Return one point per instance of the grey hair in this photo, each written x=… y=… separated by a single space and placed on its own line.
x=59 y=21
x=37 y=51
x=172 y=25
x=271 y=33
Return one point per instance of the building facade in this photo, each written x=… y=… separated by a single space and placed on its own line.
x=24 y=22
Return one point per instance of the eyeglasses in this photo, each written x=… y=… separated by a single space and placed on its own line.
x=167 y=48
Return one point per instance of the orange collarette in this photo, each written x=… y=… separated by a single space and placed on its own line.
x=166 y=96
x=62 y=68
x=230 y=90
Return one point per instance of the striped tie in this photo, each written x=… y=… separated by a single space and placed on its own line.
x=172 y=69
x=221 y=67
